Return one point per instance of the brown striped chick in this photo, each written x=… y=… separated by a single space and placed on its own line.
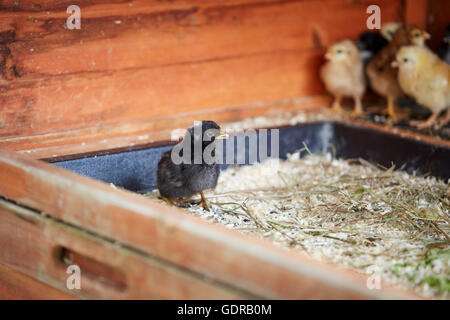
x=426 y=78
x=389 y=29
x=418 y=36
x=343 y=75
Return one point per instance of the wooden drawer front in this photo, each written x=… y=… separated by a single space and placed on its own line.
x=40 y=247
x=15 y=285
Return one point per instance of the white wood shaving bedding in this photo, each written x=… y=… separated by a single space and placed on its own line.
x=354 y=214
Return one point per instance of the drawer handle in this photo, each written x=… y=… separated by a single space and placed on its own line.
x=94 y=270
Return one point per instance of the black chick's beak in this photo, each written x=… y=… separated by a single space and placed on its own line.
x=222 y=136
x=360 y=45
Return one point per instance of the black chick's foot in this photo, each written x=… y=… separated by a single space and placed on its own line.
x=203 y=202
x=176 y=203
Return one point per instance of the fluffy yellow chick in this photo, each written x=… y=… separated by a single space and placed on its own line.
x=343 y=75
x=426 y=78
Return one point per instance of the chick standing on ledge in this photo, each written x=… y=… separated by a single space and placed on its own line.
x=190 y=177
x=382 y=76
x=343 y=75
x=426 y=78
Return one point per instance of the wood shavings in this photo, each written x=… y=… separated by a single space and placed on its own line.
x=344 y=211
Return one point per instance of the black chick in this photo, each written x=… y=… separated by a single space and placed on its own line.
x=444 y=52
x=369 y=43
x=191 y=176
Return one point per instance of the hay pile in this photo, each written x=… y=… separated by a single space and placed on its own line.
x=345 y=211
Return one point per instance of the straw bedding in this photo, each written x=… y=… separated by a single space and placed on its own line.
x=373 y=219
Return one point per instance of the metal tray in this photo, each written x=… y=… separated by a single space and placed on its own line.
x=135 y=169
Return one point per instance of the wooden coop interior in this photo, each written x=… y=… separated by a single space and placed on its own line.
x=135 y=71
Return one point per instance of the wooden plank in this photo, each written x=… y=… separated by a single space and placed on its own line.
x=142 y=134
x=33 y=245
x=118 y=36
x=416 y=12
x=437 y=21
x=163 y=58
x=15 y=285
x=170 y=235
x=126 y=95
x=139 y=132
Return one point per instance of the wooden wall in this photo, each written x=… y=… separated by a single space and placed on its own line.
x=438 y=18
x=150 y=60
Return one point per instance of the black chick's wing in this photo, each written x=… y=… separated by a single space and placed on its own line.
x=169 y=177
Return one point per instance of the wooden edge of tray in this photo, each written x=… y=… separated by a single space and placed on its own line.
x=146 y=131
x=149 y=133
